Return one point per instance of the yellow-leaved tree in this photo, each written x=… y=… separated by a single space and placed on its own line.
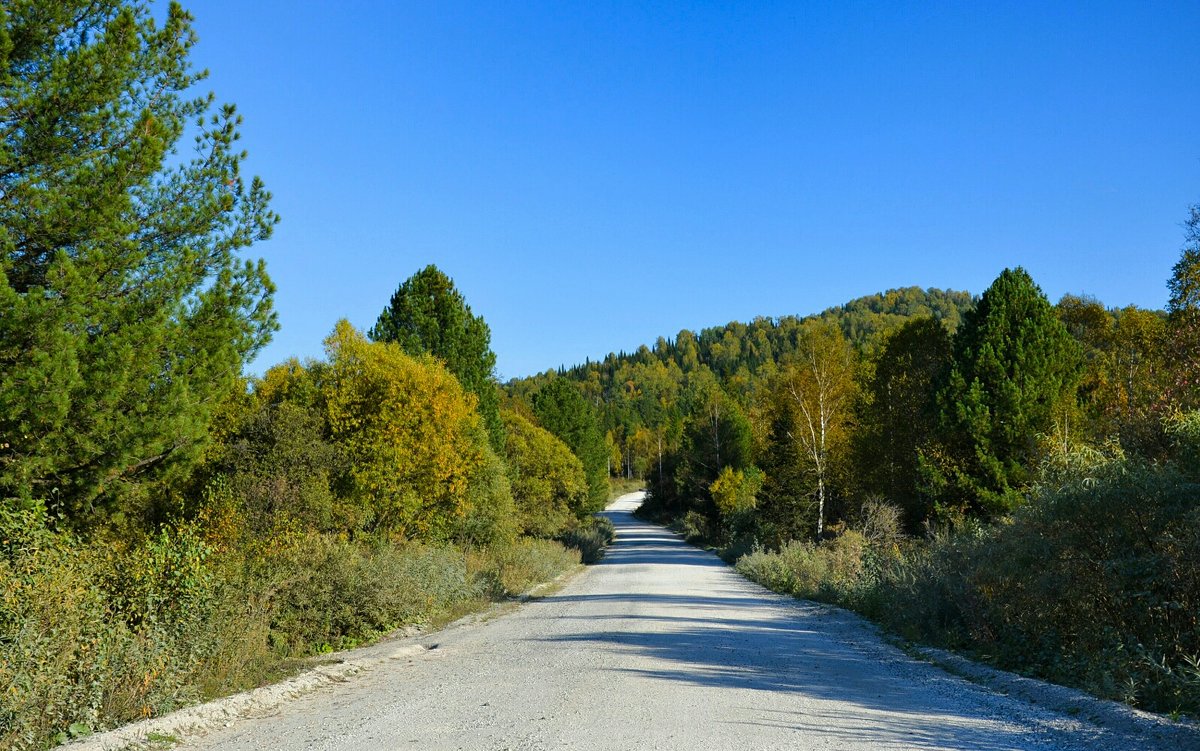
x=548 y=481
x=417 y=451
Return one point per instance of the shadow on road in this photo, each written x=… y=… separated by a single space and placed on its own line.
x=717 y=631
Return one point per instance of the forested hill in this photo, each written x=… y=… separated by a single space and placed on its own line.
x=640 y=399
x=735 y=346
x=1007 y=473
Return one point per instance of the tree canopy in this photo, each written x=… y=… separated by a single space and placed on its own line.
x=1183 y=311
x=548 y=483
x=815 y=387
x=1013 y=377
x=125 y=312
x=428 y=314
x=897 y=414
x=561 y=409
x=412 y=439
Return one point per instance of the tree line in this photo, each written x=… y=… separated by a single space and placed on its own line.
x=942 y=403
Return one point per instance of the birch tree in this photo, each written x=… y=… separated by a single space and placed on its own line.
x=815 y=386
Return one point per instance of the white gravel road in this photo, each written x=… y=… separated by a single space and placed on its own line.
x=661 y=646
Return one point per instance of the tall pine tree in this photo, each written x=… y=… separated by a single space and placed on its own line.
x=1183 y=315
x=1013 y=379
x=898 y=414
x=427 y=314
x=125 y=312
x=561 y=409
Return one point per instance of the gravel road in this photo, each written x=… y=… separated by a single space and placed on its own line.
x=661 y=646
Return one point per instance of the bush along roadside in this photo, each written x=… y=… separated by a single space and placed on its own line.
x=1091 y=584
x=97 y=634
x=591 y=537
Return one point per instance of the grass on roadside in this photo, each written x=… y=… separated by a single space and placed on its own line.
x=619 y=486
x=94 y=635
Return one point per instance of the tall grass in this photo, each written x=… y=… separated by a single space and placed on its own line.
x=96 y=634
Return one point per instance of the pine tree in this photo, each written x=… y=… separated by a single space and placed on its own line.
x=561 y=409
x=716 y=435
x=1183 y=315
x=427 y=314
x=898 y=414
x=1013 y=379
x=125 y=312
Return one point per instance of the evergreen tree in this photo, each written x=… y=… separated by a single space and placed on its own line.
x=427 y=314
x=561 y=409
x=1013 y=379
x=898 y=414
x=1183 y=315
x=786 y=504
x=125 y=313
x=716 y=435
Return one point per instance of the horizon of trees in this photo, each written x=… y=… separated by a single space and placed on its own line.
x=938 y=402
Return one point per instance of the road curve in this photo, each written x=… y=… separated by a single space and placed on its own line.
x=660 y=646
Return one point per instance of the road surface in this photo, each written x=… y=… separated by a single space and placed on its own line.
x=660 y=646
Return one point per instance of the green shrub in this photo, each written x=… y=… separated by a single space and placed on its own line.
x=769 y=568
x=695 y=528
x=339 y=593
x=1092 y=583
x=54 y=637
x=1183 y=429
x=825 y=572
x=739 y=548
x=1095 y=583
x=590 y=538
x=514 y=568
x=96 y=635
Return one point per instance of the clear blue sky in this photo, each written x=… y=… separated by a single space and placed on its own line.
x=593 y=174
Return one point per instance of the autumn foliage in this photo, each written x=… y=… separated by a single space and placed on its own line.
x=410 y=435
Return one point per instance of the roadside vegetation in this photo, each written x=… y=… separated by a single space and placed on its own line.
x=1001 y=475
x=620 y=486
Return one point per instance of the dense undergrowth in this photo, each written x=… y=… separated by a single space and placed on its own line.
x=110 y=631
x=1092 y=583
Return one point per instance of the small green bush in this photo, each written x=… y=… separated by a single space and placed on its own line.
x=514 y=568
x=590 y=538
x=695 y=528
x=739 y=548
x=826 y=571
x=333 y=593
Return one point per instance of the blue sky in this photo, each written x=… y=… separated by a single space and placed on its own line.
x=594 y=175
